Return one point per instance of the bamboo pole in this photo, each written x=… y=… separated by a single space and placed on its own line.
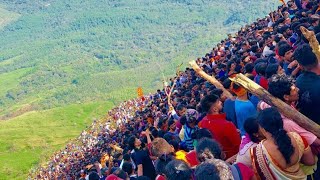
x=284 y=108
x=311 y=37
x=211 y=79
x=170 y=92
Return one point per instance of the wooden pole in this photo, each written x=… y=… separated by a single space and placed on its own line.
x=311 y=37
x=283 y=108
x=211 y=79
x=170 y=92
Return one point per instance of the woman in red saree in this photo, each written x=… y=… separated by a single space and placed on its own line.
x=280 y=154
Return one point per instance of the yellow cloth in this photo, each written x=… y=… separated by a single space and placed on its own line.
x=308 y=170
x=181 y=155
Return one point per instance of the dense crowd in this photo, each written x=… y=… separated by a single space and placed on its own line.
x=196 y=132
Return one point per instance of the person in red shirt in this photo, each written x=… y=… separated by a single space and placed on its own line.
x=223 y=131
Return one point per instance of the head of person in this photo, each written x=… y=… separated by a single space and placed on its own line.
x=178 y=170
x=126 y=158
x=231 y=65
x=238 y=90
x=211 y=104
x=273 y=68
x=120 y=173
x=286 y=52
x=200 y=134
x=172 y=125
x=271 y=126
x=305 y=57
x=160 y=146
x=162 y=162
x=261 y=68
x=251 y=126
x=134 y=143
x=94 y=176
x=283 y=87
x=191 y=117
x=208 y=149
x=127 y=167
x=181 y=109
x=248 y=68
x=206 y=171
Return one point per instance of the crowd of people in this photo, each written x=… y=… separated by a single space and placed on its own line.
x=196 y=132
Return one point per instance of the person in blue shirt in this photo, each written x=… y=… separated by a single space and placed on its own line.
x=243 y=107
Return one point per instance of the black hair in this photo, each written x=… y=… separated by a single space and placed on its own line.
x=282 y=43
x=304 y=55
x=126 y=157
x=271 y=70
x=206 y=171
x=271 y=120
x=155 y=132
x=261 y=68
x=120 y=173
x=162 y=162
x=143 y=178
x=127 y=167
x=251 y=126
x=178 y=170
x=131 y=141
x=207 y=102
x=226 y=83
x=183 y=120
x=217 y=92
x=208 y=144
x=229 y=64
x=180 y=107
x=94 y=176
x=175 y=144
x=280 y=85
x=283 y=49
x=201 y=133
x=249 y=68
x=168 y=137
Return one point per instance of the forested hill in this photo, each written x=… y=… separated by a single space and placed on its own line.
x=61 y=52
x=65 y=62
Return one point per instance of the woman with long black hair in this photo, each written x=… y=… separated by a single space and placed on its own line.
x=280 y=154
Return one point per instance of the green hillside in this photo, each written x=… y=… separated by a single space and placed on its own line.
x=59 y=58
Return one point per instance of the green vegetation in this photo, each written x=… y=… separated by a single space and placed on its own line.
x=58 y=57
x=6 y=17
x=33 y=137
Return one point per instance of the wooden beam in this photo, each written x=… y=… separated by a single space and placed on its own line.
x=311 y=37
x=211 y=79
x=283 y=108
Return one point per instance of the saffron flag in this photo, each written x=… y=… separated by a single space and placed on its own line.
x=282 y=1
x=140 y=92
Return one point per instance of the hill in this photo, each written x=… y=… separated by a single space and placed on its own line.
x=58 y=57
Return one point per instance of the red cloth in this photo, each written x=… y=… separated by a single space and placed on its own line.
x=224 y=132
x=160 y=177
x=192 y=158
x=246 y=172
x=113 y=177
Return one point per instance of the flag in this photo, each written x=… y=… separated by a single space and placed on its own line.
x=140 y=92
x=282 y=1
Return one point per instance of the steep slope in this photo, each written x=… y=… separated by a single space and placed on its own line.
x=57 y=57
x=76 y=51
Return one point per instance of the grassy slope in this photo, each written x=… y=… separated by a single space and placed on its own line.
x=34 y=136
